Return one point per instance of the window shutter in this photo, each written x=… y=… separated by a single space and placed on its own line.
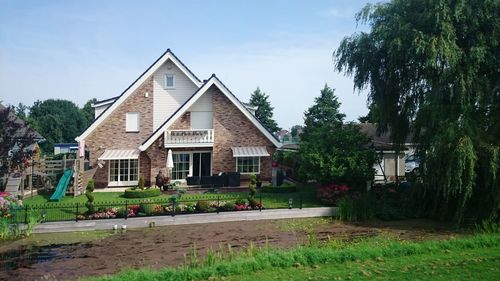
x=132 y=122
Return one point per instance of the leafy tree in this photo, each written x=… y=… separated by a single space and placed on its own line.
x=21 y=111
x=332 y=151
x=14 y=138
x=432 y=69
x=264 y=110
x=296 y=130
x=57 y=121
x=88 y=111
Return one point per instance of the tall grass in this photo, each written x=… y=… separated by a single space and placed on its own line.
x=332 y=252
x=357 y=209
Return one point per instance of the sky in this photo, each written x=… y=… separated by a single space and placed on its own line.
x=78 y=50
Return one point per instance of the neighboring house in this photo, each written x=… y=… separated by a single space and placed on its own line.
x=168 y=108
x=388 y=165
x=65 y=148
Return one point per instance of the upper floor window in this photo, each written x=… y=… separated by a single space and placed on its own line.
x=132 y=122
x=169 y=81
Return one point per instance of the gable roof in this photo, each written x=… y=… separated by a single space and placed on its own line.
x=168 y=55
x=183 y=108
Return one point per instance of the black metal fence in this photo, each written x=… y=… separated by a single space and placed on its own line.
x=188 y=204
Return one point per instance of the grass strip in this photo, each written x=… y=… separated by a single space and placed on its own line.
x=469 y=264
x=335 y=251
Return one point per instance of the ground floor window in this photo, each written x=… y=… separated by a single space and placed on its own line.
x=123 y=172
x=181 y=166
x=248 y=165
x=197 y=164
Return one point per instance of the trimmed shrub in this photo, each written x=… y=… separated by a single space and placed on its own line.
x=228 y=207
x=203 y=206
x=148 y=208
x=140 y=184
x=330 y=194
x=240 y=202
x=285 y=188
x=142 y=193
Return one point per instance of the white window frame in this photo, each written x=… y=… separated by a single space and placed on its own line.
x=129 y=115
x=127 y=182
x=173 y=81
x=191 y=161
x=249 y=173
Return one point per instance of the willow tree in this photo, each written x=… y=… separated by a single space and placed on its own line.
x=432 y=68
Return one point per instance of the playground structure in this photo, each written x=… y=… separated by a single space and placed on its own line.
x=40 y=173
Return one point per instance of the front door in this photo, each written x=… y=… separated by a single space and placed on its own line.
x=202 y=164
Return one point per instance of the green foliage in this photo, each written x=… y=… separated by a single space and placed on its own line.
x=330 y=150
x=57 y=120
x=264 y=110
x=240 y=202
x=147 y=207
x=356 y=208
x=203 y=206
x=296 y=130
x=252 y=191
x=432 y=71
x=140 y=184
x=19 y=137
x=90 y=197
x=284 y=188
x=142 y=193
x=229 y=206
x=90 y=186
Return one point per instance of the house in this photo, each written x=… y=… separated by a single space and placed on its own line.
x=167 y=108
x=389 y=164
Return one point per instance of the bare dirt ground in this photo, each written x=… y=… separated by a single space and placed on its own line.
x=167 y=246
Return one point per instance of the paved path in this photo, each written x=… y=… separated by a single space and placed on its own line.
x=108 y=224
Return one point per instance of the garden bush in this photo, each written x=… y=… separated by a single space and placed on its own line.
x=330 y=194
x=240 y=202
x=203 y=206
x=142 y=193
x=285 y=188
x=228 y=207
x=148 y=208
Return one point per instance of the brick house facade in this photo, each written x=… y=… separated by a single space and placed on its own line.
x=205 y=126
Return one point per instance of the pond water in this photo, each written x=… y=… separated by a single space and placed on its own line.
x=26 y=256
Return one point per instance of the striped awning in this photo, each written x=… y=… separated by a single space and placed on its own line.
x=249 y=151
x=117 y=154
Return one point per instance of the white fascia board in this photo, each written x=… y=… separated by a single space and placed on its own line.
x=168 y=56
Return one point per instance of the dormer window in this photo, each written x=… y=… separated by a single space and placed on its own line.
x=169 y=81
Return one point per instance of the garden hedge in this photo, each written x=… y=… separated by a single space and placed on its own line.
x=289 y=188
x=142 y=193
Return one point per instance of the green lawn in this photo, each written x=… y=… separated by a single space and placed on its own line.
x=471 y=264
x=272 y=200
x=468 y=258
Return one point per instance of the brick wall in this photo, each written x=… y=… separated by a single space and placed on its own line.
x=183 y=123
x=232 y=128
x=110 y=134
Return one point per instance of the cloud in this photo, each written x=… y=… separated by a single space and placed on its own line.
x=339 y=13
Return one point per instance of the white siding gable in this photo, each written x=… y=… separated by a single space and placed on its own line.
x=202 y=112
x=100 y=109
x=167 y=101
